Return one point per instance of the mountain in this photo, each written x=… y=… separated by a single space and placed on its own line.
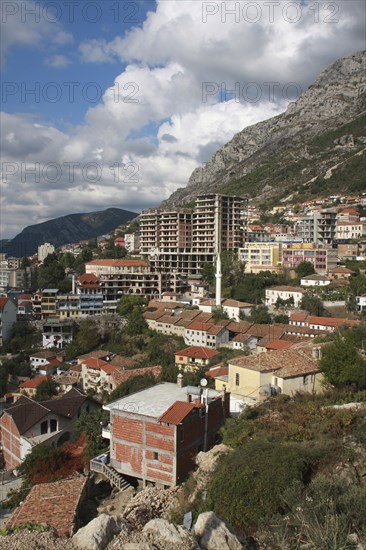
x=66 y=229
x=316 y=147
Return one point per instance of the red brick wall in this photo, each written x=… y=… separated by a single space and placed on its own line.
x=136 y=440
x=10 y=439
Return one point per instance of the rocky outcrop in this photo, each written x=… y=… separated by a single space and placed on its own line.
x=213 y=534
x=337 y=97
x=97 y=534
x=171 y=534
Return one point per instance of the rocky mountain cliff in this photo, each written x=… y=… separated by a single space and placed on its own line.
x=66 y=229
x=316 y=146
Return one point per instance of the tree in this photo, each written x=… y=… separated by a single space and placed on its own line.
x=136 y=324
x=312 y=304
x=304 y=269
x=208 y=273
x=90 y=425
x=219 y=314
x=126 y=304
x=51 y=273
x=87 y=337
x=342 y=364
x=45 y=390
x=260 y=315
x=23 y=336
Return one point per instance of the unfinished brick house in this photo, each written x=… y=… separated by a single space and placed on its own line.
x=156 y=433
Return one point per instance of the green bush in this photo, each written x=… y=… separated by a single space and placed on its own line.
x=249 y=483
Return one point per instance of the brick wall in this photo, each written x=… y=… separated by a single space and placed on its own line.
x=161 y=453
x=10 y=439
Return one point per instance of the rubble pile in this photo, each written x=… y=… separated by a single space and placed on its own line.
x=151 y=503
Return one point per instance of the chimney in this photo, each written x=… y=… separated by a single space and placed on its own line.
x=180 y=382
x=316 y=353
x=218 y=280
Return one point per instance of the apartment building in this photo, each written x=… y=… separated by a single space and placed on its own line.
x=119 y=277
x=132 y=242
x=43 y=251
x=261 y=256
x=319 y=228
x=350 y=230
x=179 y=241
x=12 y=277
x=322 y=258
x=90 y=295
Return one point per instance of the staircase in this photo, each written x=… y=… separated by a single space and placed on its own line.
x=116 y=479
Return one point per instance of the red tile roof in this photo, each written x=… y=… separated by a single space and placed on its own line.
x=196 y=325
x=298 y=317
x=122 y=376
x=178 y=412
x=198 y=352
x=278 y=344
x=331 y=321
x=94 y=363
x=34 y=382
x=54 y=504
x=217 y=372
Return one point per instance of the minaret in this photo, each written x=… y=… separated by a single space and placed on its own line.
x=218 y=280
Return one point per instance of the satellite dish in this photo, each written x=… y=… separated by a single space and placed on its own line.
x=203 y=382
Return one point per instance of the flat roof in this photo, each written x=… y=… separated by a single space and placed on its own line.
x=153 y=401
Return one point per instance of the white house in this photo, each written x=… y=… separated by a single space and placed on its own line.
x=315 y=280
x=361 y=302
x=205 y=334
x=284 y=293
x=232 y=308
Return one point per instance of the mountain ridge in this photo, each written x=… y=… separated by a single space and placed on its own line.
x=66 y=229
x=268 y=160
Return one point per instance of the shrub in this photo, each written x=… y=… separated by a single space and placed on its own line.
x=249 y=483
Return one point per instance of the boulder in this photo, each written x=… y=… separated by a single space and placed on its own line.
x=97 y=534
x=213 y=534
x=137 y=546
x=167 y=532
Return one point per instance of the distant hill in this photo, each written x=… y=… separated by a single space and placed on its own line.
x=66 y=229
x=316 y=148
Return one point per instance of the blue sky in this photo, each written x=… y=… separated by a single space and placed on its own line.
x=131 y=96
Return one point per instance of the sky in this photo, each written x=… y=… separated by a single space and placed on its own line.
x=115 y=103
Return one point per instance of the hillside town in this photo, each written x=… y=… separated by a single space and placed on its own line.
x=163 y=331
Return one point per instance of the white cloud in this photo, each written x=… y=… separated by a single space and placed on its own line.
x=153 y=122
x=23 y=23
x=57 y=61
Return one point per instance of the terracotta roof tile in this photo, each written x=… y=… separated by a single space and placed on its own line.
x=54 y=504
x=33 y=383
x=178 y=412
x=198 y=352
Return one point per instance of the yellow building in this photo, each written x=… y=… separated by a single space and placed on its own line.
x=286 y=371
x=265 y=256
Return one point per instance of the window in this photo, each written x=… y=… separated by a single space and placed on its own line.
x=53 y=425
x=44 y=427
x=305 y=379
x=237 y=379
x=182 y=434
x=156 y=455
